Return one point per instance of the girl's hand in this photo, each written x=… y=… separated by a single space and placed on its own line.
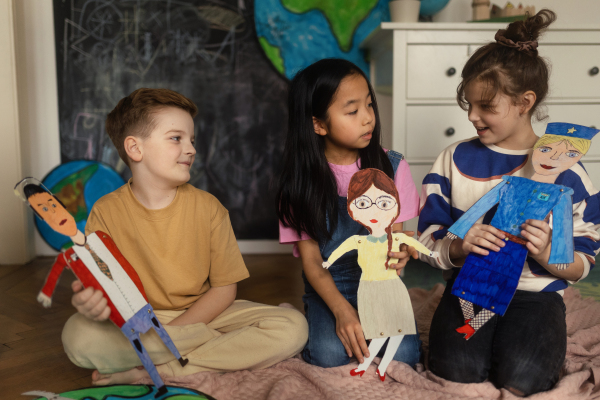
x=349 y=330
x=405 y=253
x=89 y=302
x=326 y=264
x=539 y=237
x=479 y=238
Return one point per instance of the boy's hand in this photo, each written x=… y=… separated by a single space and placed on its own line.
x=539 y=237
x=478 y=240
x=89 y=302
x=349 y=330
x=405 y=253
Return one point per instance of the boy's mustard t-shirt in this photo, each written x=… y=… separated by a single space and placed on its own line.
x=179 y=251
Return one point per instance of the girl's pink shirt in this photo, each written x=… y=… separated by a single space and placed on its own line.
x=409 y=198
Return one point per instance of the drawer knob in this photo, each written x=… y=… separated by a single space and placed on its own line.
x=449 y=131
x=451 y=71
x=594 y=71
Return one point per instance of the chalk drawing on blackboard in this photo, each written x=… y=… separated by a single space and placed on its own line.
x=206 y=50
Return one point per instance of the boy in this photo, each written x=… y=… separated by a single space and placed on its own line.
x=180 y=241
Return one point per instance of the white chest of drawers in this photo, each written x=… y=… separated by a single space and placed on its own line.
x=416 y=68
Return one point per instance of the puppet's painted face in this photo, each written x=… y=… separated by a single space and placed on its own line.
x=53 y=213
x=375 y=209
x=554 y=158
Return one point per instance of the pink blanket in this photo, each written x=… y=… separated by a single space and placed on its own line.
x=295 y=379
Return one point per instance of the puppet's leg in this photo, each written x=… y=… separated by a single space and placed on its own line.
x=374 y=347
x=474 y=324
x=134 y=338
x=467 y=309
x=162 y=333
x=390 y=351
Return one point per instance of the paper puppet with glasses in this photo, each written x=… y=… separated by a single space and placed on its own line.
x=384 y=306
x=491 y=281
x=97 y=262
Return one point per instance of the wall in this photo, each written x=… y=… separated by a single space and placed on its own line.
x=36 y=82
x=15 y=228
x=572 y=11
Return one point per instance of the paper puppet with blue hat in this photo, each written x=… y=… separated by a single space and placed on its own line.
x=491 y=281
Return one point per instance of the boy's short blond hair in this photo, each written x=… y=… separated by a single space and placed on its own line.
x=133 y=114
x=582 y=145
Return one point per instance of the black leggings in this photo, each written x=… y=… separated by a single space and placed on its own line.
x=523 y=350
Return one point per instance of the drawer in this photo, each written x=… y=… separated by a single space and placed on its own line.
x=581 y=114
x=571 y=67
x=430 y=129
x=429 y=70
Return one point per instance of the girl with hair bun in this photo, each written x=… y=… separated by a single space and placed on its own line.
x=503 y=86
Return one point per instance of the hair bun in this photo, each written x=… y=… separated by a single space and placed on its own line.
x=528 y=47
x=526 y=32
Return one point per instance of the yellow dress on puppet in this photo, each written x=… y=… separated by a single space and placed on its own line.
x=384 y=306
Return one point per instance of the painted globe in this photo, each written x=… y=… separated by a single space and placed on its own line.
x=432 y=7
x=295 y=33
x=78 y=185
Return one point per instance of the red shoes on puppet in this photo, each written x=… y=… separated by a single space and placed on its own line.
x=355 y=372
x=466 y=329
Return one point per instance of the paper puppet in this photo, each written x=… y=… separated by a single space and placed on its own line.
x=491 y=281
x=97 y=262
x=384 y=306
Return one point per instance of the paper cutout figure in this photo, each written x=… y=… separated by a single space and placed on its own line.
x=384 y=306
x=491 y=281
x=97 y=262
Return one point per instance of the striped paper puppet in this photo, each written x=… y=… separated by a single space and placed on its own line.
x=491 y=281
x=97 y=262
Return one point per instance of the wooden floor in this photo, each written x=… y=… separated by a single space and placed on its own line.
x=31 y=352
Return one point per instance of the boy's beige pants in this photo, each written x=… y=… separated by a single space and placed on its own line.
x=245 y=336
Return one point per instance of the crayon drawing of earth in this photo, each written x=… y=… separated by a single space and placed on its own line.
x=295 y=33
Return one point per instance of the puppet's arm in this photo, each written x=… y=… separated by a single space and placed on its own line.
x=413 y=243
x=464 y=223
x=45 y=295
x=348 y=245
x=561 y=250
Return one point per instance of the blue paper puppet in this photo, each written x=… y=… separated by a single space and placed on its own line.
x=491 y=281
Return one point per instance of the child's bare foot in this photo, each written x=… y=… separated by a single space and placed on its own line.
x=133 y=375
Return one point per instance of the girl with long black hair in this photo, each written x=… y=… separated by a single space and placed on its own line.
x=333 y=132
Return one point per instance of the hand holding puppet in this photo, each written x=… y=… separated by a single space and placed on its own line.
x=491 y=281
x=97 y=262
x=384 y=306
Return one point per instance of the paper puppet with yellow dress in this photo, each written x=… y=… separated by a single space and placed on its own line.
x=384 y=306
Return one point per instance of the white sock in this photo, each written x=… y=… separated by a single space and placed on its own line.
x=374 y=347
x=390 y=352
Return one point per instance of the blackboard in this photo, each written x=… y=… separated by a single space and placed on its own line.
x=206 y=50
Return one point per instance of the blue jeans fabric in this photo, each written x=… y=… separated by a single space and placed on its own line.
x=524 y=349
x=324 y=347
